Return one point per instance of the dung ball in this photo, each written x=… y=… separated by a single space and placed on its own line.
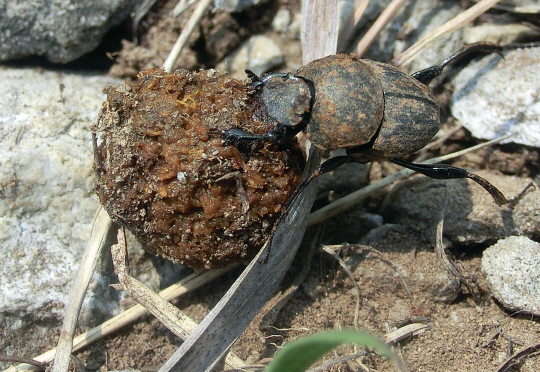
x=164 y=171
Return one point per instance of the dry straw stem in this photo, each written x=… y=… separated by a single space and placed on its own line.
x=388 y=14
x=454 y=24
x=515 y=359
x=186 y=32
x=98 y=237
x=356 y=197
x=140 y=13
x=405 y=332
x=176 y=321
x=349 y=27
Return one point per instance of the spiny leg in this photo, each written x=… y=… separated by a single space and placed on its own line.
x=425 y=76
x=444 y=171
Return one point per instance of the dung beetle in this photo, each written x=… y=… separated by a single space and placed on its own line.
x=373 y=110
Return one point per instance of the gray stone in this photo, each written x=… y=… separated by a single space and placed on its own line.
x=425 y=17
x=47 y=204
x=512 y=269
x=495 y=97
x=471 y=214
x=60 y=30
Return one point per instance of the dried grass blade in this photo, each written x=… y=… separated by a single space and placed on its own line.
x=351 y=24
x=184 y=35
x=386 y=16
x=101 y=226
x=173 y=318
x=319 y=29
x=119 y=321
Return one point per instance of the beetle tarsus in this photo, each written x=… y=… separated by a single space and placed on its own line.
x=445 y=171
x=252 y=76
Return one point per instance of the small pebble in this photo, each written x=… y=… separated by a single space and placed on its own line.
x=512 y=269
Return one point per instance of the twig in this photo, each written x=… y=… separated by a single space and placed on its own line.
x=181 y=7
x=523 y=353
x=185 y=34
x=39 y=365
x=454 y=24
x=380 y=256
x=358 y=293
x=100 y=228
x=176 y=321
x=139 y=14
x=450 y=265
x=405 y=332
x=356 y=197
x=386 y=16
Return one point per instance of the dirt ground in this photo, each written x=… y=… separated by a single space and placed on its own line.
x=400 y=278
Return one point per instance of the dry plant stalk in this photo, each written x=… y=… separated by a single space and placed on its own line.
x=451 y=267
x=101 y=226
x=186 y=32
x=388 y=14
x=351 y=24
x=405 y=332
x=349 y=273
x=452 y=25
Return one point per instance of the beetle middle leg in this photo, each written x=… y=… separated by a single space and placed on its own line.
x=444 y=171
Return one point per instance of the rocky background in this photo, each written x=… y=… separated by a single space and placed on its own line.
x=57 y=56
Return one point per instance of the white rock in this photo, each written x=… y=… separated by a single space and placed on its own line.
x=259 y=54
x=496 y=96
x=512 y=269
x=46 y=204
x=499 y=34
x=232 y=6
x=281 y=21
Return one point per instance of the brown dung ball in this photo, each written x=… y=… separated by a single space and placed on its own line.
x=164 y=171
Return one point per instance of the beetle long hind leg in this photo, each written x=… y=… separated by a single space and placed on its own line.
x=444 y=171
x=425 y=76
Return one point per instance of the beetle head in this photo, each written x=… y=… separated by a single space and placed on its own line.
x=287 y=98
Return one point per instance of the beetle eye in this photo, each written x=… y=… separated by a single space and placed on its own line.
x=287 y=99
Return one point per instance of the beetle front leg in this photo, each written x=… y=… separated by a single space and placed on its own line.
x=444 y=171
x=238 y=136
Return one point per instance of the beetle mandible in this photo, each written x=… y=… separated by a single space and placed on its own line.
x=373 y=110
